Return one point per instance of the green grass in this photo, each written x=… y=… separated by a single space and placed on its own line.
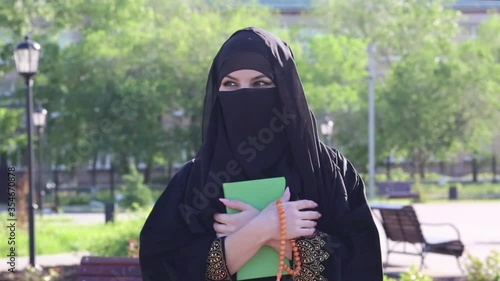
x=59 y=234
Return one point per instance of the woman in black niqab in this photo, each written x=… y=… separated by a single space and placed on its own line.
x=178 y=240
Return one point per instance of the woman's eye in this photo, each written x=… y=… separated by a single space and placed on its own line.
x=261 y=84
x=229 y=84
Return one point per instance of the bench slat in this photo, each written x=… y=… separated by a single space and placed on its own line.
x=397 y=190
x=86 y=278
x=109 y=260
x=94 y=268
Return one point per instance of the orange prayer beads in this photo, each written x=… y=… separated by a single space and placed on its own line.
x=295 y=250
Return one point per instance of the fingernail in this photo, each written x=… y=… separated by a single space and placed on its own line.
x=223 y=200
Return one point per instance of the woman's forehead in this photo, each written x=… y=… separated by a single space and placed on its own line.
x=246 y=74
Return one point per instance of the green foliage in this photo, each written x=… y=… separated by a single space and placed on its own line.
x=10 y=120
x=80 y=199
x=414 y=275
x=487 y=270
x=135 y=192
x=114 y=239
x=333 y=74
x=434 y=95
x=38 y=274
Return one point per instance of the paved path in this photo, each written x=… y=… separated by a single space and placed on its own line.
x=478 y=224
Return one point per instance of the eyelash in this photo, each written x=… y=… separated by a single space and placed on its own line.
x=228 y=83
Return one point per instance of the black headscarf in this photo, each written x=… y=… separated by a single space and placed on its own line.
x=179 y=231
x=231 y=119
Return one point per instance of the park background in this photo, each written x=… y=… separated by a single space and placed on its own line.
x=121 y=85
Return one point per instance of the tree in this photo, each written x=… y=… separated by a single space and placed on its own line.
x=429 y=100
x=134 y=62
x=333 y=74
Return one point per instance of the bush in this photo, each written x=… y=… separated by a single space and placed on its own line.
x=489 y=270
x=115 y=240
x=135 y=193
x=411 y=275
x=80 y=199
x=414 y=275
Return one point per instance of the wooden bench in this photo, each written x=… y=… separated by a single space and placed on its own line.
x=94 y=268
x=396 y=189
x=401 y=225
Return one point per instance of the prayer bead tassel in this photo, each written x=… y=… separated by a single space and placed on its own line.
x=296 y=255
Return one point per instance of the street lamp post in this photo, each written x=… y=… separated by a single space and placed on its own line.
x=26 y=55
x=39 y=120
x=371 y=122
x=327 y=130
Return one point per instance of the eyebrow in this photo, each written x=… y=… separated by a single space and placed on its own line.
x=260 y=77
x=255 y=78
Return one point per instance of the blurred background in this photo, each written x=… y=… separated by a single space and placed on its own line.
x=408 y=90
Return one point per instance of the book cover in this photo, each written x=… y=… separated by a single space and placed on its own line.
x=258 y=193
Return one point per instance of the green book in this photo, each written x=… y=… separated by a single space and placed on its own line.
x=258 y=193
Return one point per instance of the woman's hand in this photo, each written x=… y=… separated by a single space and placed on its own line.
x=226 y=224
x=298 y=223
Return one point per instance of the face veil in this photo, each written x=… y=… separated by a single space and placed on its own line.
x=294 y=152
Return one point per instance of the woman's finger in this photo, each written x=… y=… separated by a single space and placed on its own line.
x=286 y=195
x=222 y=218
x=304 y=204
x=236 y=204
x=303 y=232
x=306 y=224
x=309 y=215
x=220 y=228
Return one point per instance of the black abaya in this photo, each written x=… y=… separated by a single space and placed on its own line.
x=178 y=235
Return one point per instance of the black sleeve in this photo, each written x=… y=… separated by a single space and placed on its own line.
x=360 y=252
x=348 y=249
x=168 y=250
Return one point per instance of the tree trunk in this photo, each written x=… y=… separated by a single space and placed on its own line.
x=94 y=191
x=3 y=178
x=94 y=170
x=123 y=165
x=441 y=168
x=474 y=169
x=413 y=169
x=74 y=180
x=22 y=194
x=112 y=181
x=147 y=171
x=388 y=168
x=494 y=168
x=421 y=169
x=56 y=190
x=419 y=162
